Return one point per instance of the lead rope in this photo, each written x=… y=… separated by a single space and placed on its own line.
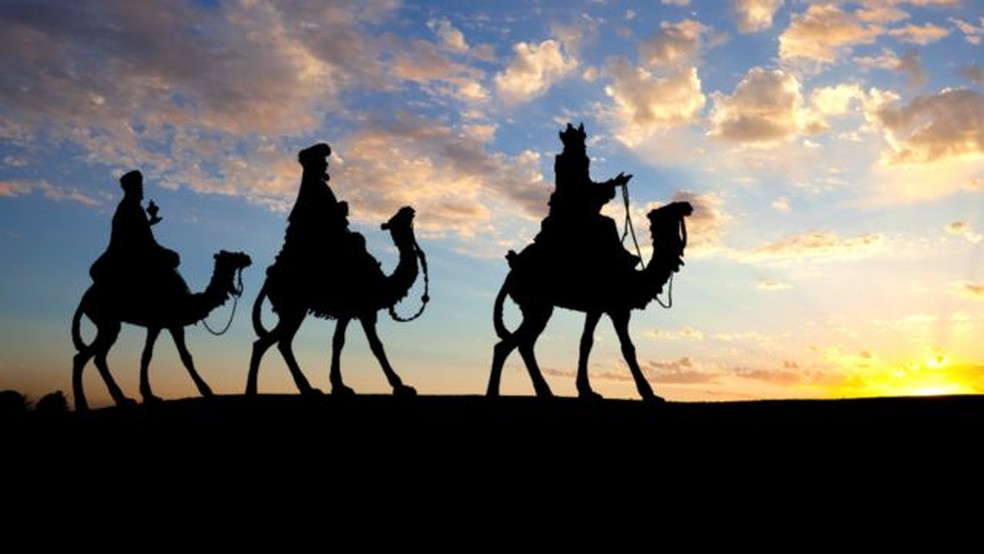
x=669 y=291
x=425 y=298
x=235 y=301
x=628 y=228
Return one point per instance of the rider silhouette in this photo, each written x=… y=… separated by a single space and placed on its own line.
x=317 y=238
x=575 y=227
x=134 y=260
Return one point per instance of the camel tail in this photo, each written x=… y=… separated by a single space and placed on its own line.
x=500 y=299
x=76 y=331
x=258 y=312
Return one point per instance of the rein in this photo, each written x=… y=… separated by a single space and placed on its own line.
x=236 y=293
x=425 y=298
x=628 y=228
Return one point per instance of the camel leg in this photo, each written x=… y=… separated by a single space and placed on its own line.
x=287 y=328
x=500 y=353
x=620 y=320
x=105 y=338
x=587 y=341
x=178 y=334
x=78 y=364
x=145 y=357
x=534 y=322
x=335 y=370
x=260 y=346
x=369 y=326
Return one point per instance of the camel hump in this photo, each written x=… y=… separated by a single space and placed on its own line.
x=403 y=217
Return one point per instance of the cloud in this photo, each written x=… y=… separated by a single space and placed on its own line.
x=973 y=34
x=677 y=2
x=680 y=371
x=424 y=62
x=818 y=246
x=533 y=70
x=675 y=43
x=756 y=15
x=451 y=38
x=646 y=104
x=455 y=184
x=770 y=285
x=686 y=333
x=920 y=34
x=949 y=124
x=974 y=72
x=222 y=89
x=973 y=291
x=51 y=192
x=823 y=32
x=963 y=229
x=766 y=107
x=781 y=204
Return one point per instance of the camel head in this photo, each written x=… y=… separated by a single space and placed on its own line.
x=669 y=231
x=402 y=221
x=227 y=264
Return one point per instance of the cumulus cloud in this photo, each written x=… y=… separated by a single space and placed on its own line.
x=676 y=42
x=949 y=124
x=765 y=107
x=818 y=246
x=781 y=204
x=646 y=104
x=823 y=32
x=686 y=333
x=756 y=15
x=679 y=371
x=424 y=62
x=533 y=70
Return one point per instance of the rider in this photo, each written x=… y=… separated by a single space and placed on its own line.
x=318 y=235
x=575 y=225
x=133 y=258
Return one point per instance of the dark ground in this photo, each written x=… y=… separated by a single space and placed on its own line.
x=468 y=458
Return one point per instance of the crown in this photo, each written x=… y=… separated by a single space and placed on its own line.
x=571 y=136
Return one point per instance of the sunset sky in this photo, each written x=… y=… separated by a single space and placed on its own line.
x=834 y=152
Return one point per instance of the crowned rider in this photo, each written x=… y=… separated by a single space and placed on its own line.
x=575 y=226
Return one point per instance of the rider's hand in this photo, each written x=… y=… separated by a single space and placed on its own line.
x=622 y=179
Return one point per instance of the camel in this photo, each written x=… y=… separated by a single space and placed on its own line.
x=537 y=290
x=172 y=312
x=356 y=294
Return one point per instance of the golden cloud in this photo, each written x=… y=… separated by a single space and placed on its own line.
x=756 y=15
x=533 y=70
x=676 y=42
x=765 y=107
x=646 y=104
x=818 y=246
x=823 y=32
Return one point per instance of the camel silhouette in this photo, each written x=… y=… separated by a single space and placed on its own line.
x=108 y=307
x=359 y=289
x=538 y=288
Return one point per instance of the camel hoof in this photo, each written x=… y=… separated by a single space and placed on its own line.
x=151 y=399
x=589 y=395
x=654 y=399
x=404 y=390
x=126 y=403
x=311 y=391
x=342 y=390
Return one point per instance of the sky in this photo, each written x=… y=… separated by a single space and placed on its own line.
x=833 y=151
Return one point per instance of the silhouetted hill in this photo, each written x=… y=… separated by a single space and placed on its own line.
x=455 y=457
